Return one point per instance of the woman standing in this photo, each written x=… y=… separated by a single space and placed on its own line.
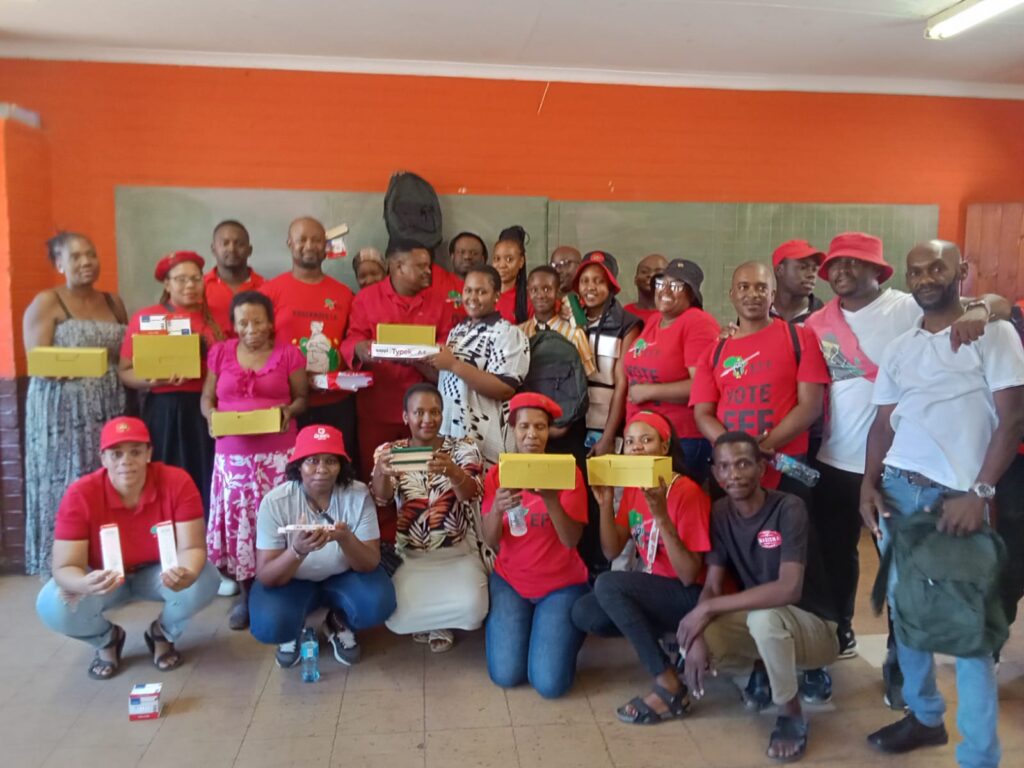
x=248 y=373
x=538 y=575
x=171 y=409
x=64 y=417
x=509 y=258
x=484 y=362
x=442 y=584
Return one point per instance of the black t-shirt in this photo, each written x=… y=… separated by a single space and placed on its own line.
x=753 y=548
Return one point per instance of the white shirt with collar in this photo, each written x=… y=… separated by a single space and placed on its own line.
x=945 y=413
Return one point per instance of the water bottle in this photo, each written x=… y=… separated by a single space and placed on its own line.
x=799 y=471
x=517 y=520
x=310 y=651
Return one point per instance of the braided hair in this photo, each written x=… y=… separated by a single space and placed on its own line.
x=516 y=234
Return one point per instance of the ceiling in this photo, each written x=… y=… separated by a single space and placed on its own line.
x=818 y=45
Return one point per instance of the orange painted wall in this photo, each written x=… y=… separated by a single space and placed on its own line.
x=109 y=124
x=6 y=319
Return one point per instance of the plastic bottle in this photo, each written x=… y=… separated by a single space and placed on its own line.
x=310 y=650
x=799 y=471
x=517 y=521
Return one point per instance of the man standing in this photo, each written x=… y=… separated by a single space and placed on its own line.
x=779 y=619
x=948 y=424
x=648 y=267
x=311 y=311
x=565 y=260
x=232 y=274
x=466 y=250
x=796 y=265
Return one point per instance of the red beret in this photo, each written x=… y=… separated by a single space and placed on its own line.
x=535 y=400
x=171 y=260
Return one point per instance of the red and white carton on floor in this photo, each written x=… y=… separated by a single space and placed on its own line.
x=144 y=701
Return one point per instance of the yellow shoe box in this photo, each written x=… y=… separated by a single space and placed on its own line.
x=157 y=356
x=416 y=335
x=263 y=421
x=629 y=471
x=544 y=471
x=67 y=362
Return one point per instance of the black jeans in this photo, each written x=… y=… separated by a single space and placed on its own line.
x=1010 y=525
x=641 y=607
x=835 y=513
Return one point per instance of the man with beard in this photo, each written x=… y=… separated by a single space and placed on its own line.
x=231 y=249
x=796 y=265
x=948 y=424
x=311 y=311
x=853 y=331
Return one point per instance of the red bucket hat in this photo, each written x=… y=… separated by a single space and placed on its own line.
x=795 y=249
x=171 y=260
x=535 y=400
x=318 y=438
x=857 y=245
x=605 y=261
x=123 y=429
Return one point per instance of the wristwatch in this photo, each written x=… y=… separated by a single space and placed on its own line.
x=975 y=304
x=984 y=490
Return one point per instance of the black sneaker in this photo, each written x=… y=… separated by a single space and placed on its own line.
x=342 y=640
x=847 y=643
x=758 y=693
x=908 y=734
x=892 y=676
x=816 y=686
x=288 y=654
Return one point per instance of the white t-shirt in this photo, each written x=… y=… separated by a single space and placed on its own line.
x=945 y=414
x=287 y=505
x=850 y=411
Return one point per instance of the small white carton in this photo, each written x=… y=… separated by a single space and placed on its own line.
x=168 y=547
x=144 y=701
x=110 y=549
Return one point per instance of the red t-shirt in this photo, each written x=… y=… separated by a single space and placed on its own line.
x=537 y=563
x=219 y=295
x=661 y=355
x=507 y=306
x=755 y=382
x=199 y=326
x=689 y=509
x=643 y=314
x=91 y=502
x=379 y=303
x=313 y=317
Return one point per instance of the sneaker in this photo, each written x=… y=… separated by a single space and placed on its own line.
x=227 y=587
x=892 y=676
x=847 y=643
x=816 y=686
x=758 y=693
x=342 y=639
x=287 y=655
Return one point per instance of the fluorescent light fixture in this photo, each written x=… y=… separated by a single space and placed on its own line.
x=965 y=15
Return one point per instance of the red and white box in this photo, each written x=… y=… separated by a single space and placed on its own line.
x=144 y=701
x=345 y=381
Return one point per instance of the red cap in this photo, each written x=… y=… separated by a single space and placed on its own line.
x=857 y=245
x=795 y=249
x=318 y=438
x=171 y=260
x=535 y=400
x=606 y=262
x=123 y=429
x=656 y=421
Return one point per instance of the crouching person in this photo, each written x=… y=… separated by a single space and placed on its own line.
x=335 y=566
x=780 y=618
x=134 y=495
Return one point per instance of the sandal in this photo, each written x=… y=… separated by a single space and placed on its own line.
x=101 y=669
x=167 y=660
x=639 y=712
x=792 y=730
x=441 y=640
x=421 y=637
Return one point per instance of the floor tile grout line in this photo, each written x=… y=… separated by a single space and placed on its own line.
x=252 y=714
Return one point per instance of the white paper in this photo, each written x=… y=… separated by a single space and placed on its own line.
x=110 y=548
x=168 y=547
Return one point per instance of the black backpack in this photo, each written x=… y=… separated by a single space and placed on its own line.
x=556 y=370
x=412 y=211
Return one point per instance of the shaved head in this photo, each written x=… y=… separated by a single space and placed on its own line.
x=943 y=249
x=307 y=240
x=935 y=270
x=753 y=270
x=752 y=291
x=304 y=221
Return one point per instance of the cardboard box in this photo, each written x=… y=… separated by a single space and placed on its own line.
x=110 y=548
x=416 y=335
x=411 y=459
x=629 y=471
x=159 y=357
x=262 y=421
x=168 y=546
x=402 y=351
x=344 y=381
x=68 y=362
x=144 y=701
x=543 y=471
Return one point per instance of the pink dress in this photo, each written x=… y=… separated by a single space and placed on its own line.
x=246 y=467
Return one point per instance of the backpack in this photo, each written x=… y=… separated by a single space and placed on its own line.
x=412 y=211
x=946 y=596
x=557 y=371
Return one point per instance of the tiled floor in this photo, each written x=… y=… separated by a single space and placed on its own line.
x=403 y=706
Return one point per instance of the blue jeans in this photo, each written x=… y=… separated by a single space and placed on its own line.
x=85 y=621
x=697 y=453
x=978 y=709
x=532 y=640
x=278 y=614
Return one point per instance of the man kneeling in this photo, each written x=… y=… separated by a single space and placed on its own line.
x=780 y=618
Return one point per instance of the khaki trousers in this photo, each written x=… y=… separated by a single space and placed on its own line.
x=785 y=639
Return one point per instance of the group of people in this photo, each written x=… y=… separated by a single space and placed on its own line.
x=903 y=403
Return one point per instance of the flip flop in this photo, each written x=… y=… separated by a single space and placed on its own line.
x=441 y=640
x=792 y=729
x=98 y=670
x=643 y=714
x=168 y=660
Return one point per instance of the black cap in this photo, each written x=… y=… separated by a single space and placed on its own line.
x=687 y=272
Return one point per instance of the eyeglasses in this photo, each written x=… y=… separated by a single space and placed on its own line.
x=564 y=263
x=673 y=285
x=183 y=280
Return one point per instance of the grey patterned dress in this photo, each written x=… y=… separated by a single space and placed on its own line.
x=62 y=432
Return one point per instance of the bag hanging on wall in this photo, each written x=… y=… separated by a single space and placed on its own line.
x=412 y=210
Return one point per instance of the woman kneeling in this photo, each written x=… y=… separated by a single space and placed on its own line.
x=334 y=564
x=538 y=575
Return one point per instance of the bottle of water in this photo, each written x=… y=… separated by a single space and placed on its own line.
x=799 y=471
x=310 y=650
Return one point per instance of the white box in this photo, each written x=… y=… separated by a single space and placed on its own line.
x=110 y=548
x=168 y=546
x=403 y=351
x=144 y=701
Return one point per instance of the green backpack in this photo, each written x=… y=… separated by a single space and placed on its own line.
x=947 y=592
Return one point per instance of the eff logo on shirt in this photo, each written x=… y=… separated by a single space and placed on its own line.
x=769 y=539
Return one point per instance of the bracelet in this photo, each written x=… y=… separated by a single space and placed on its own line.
x=298 y=555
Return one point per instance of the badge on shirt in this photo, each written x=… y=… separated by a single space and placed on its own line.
x=769 y=539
